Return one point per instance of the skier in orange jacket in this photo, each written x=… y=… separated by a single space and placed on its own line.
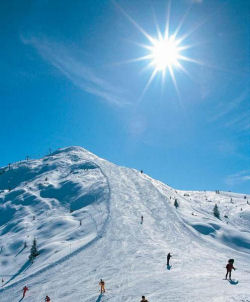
x=102 y=284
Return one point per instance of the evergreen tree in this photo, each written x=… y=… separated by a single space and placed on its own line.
x=33 y=251
x=216 y=211
x=176 y=204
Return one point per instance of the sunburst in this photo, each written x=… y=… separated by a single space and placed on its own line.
x=165 y=51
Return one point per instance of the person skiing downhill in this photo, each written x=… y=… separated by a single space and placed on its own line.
x=229 y=268
x=102 y=284
x=141 y=219
x=168 y=258
x=25 y=289
x=47 y=299
x=143 y=299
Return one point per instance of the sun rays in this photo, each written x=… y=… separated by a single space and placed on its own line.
x=165 y=52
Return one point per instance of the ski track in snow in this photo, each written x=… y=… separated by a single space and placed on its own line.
x=131 y=257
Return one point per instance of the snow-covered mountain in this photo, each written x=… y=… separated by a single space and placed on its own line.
x=85 y=214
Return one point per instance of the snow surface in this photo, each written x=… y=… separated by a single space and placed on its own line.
x=85 y=214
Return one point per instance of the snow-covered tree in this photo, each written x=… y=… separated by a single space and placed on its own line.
x=216 y=211
x=176 y=204
x=33 y=251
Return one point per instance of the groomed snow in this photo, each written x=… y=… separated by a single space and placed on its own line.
x=85 y=214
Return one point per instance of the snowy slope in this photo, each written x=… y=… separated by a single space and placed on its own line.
x=48 y=199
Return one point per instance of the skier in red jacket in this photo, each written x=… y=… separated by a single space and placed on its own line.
x=25 y=290
x=47 y=299
x=229 y=268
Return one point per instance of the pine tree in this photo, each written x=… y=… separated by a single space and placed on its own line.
x=216 y=211
x=176 y=204
x=33 y=251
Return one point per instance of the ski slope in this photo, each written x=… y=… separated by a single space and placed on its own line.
x=85 y=214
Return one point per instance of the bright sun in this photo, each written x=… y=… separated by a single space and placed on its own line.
x=164 y=53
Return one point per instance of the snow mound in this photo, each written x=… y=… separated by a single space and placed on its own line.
x=61 y=200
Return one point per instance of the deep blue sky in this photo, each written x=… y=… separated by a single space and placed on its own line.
x=63 y=83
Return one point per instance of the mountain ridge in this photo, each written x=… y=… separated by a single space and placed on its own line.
x=85 y=213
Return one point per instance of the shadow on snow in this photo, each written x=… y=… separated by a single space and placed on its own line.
x=26 y=265
x=20 y=251
x=99 y=298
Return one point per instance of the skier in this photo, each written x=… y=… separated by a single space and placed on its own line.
x=102 y=284
x=143 y=299
x=168 y=258
x=229 y=268
x=141 y=219
x=25 y=290
x=47 y=299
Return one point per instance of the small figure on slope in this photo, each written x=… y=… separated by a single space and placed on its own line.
x=229 y=268
x=47 y=299
x=168 y=258
x=25 y=289
x=143 y=299
x=141 y=219
x=102 y=284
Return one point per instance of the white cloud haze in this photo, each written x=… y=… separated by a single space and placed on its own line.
x=76 y=71
x=238 y=178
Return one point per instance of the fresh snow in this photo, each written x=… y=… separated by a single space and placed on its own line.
x=85 y=214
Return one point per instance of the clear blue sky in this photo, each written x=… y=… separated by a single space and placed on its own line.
x=64 y=81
